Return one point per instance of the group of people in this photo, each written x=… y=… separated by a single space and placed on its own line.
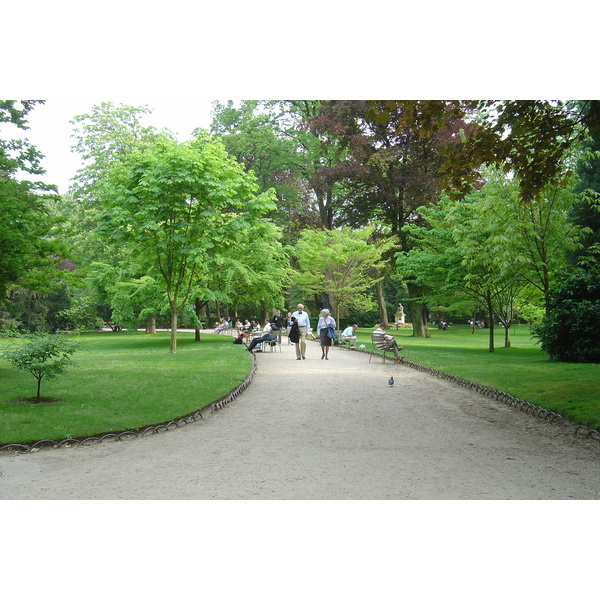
x=298 y=329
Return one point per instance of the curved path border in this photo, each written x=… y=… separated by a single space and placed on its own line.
x=200 y=414
x=192 y=417
x=317 y=430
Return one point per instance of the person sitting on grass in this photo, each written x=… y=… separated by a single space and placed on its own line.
x=349 y=334
x=267 y=336
x=384 y=341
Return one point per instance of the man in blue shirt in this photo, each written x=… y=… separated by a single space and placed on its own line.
x=301 y=317
x=349 y=334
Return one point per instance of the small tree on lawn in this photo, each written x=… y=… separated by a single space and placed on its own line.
x=42 y=355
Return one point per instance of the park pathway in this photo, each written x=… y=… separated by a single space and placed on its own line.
x=333 y=429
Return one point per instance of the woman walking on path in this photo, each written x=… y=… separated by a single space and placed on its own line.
x=325 y=322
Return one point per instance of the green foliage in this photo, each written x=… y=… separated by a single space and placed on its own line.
x=490 y=248
x=569 y=331
x=124 y=381
x=176 y=205
x=108 y=134
x=42 y=355
x=586 y=211
x=82 y=314
x=29 y=250
x=341 y=263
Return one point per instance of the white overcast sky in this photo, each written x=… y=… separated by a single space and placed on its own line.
x=178 y=57
x=50 y=130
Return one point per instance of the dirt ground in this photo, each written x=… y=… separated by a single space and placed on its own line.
x=335 y=429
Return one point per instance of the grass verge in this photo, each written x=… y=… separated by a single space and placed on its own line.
x=121 y=381
x=522 y=370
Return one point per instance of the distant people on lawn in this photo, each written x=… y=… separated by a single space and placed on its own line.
x=223 y=324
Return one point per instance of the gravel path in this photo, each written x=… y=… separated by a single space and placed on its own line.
x=333 y=429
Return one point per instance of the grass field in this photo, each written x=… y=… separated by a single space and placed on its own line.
x=125 y=381
x=121 y=381
x=523 y=370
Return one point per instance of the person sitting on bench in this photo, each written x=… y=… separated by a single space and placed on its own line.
x=349 y=335
x=382 y=340
x=267 y=336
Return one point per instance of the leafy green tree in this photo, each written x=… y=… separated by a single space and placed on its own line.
x=255 y=273
x=82 y=314
x=102 y=137
x=391 y=170
x=43 y=355
x=29 y=248
x=531 y=238
x=109 y=133
x=175 y=204
x=530 y=138
x=137 y=301
x=586 y=210
x=569 y=331
x=492 y=247
x=342 y=264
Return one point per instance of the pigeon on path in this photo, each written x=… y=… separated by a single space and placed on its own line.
x=391 y=381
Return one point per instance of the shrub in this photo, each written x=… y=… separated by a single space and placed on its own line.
x=42 y=355
x=569 y=331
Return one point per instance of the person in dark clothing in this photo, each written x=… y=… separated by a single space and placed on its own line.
x=294 y=334
x=279 y=324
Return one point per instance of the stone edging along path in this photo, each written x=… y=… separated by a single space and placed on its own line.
x=198 y=415
x=203 y=413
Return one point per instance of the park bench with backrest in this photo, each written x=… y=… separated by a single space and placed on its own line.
x=379 y=342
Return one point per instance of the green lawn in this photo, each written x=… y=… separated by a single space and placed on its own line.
x=121 y=381
x=522 y=370
x=126 y=381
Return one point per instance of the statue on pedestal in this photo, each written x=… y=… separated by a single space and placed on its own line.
x=400 y=316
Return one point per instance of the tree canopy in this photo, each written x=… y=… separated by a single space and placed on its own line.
x=175 y=203
x=29 y=248
x=455 y=206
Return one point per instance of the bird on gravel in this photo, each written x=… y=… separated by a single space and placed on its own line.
x=391 y=381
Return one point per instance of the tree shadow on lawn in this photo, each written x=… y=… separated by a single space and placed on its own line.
x=36 y=400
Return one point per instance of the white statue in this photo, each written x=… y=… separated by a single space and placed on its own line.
x=400 y=316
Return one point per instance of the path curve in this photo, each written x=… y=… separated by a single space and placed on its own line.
x=334 y=429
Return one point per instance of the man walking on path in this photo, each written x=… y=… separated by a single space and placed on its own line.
x=303 y=321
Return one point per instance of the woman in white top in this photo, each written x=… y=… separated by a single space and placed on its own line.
x=325 y=321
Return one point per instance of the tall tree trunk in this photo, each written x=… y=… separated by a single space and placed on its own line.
x=418 y=312
x=151 y=324
x=490 y=317
x=173 y=328
x=198 y=310
x=383 y=316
